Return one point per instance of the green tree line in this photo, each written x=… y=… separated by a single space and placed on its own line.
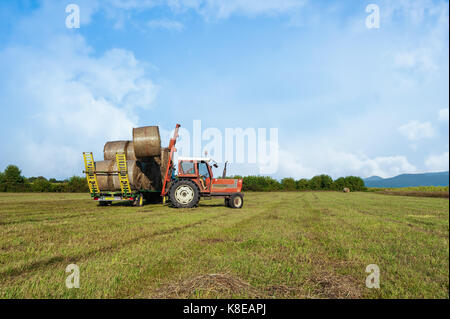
x=11 y=180
x=320 y=182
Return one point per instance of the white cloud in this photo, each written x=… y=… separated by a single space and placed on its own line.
x=415 y=130
x=212 y=9
x=443 y=115
x=165 y=24
x=421 y=59
x=222 y=9
x=133 y=4
x=438 y=162
x=51 y=160
x=425 y=57
x=415 y=11
x=121 y=11
x=337 y=163
x=79 y=101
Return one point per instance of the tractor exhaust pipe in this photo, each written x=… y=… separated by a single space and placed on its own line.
x=224 y=174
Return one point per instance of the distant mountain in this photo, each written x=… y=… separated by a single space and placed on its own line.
x=409 y=180
x=373 y=178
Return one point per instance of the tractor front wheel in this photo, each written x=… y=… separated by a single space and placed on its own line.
x=236 y=201
x=184 y=194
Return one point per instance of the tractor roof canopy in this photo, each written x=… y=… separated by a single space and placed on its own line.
x=196 y=159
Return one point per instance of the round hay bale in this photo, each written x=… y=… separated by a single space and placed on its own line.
x=152 y=167
x=111 y=148
x=105 y=182
x=140 y=175
x=346 y=190
x=147 y=142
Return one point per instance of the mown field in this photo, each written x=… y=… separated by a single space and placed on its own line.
x=413 y=189
x=280 y=245
x=420 y=191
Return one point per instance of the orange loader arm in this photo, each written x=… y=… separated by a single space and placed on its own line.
x=172 y=148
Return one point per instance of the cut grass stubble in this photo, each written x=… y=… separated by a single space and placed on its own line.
x=280 y=245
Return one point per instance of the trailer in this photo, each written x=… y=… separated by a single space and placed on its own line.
x=105 y=198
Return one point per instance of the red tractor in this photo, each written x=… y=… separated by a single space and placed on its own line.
x=195 y=179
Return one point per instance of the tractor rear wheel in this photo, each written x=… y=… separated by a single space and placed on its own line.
x=184 y=194
x=236 y=201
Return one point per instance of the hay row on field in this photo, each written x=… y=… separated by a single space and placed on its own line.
x=415 y=193
x=207 y=285
x=324 y=285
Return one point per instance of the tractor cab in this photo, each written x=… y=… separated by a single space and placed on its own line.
x=198 y=169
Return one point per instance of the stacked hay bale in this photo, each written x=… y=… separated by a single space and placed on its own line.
x=147 y=142
x=111 y=148
x=146 y=161
x=138 y=175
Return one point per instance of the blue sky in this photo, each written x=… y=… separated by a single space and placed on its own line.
x=347 y=100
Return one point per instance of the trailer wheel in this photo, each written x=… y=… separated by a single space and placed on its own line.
x=227 y=202
x=104 y=203
x=139 y=201
x=184 y=194
x=236 y=201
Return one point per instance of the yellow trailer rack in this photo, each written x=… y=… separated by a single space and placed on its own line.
x=106 y=198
